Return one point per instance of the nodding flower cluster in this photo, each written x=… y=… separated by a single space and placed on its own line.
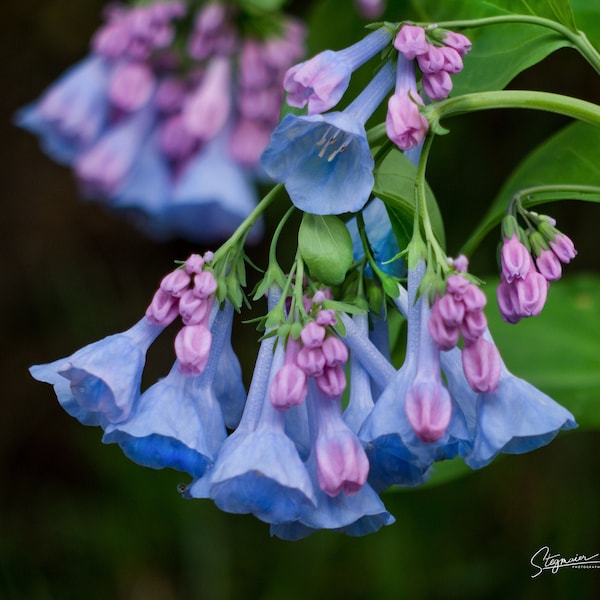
x=300 y=451
x=530 y=259
x=167 y=117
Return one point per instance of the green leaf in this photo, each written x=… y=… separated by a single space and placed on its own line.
x=558 y=351
x=326 y=247
x=395 y=185
x=563 y=13
x=571 y=157
x=587 y=18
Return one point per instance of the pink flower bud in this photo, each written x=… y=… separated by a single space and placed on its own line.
x=473 y=298
x=342 y=464
x=437 y=85
x=461 y=263
x=457 y=285
x=332 y=382
x=507 y=302
x=411 y=41
x=516 y=260
x=445 y=336
x=432 y=61
x=481 y=365
x=404 y=124
x=564 y=248
x=175 y=282
x=311 y=361
x=335 y=351
x=549 y=265
x=474 y=325
x=531 y=294
x=288 y=388
x=192 y=347
x=326 y=317
x=193 y=310
x=194 y=264
x=205 y=284
x=451 y=310
x=458 y=41
x=452 y=61
x=163 y=309
x=428 y=409
x=312 y=335
x=131 y=86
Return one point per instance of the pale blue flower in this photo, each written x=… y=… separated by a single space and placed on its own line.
x=325 y=160
x=72 y=113
x=177 y=422
x=514 y=419
x=99 y=384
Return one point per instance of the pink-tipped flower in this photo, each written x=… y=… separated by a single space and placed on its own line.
x=325 y=317
x=428 y=409
x=332 y=382
x=450 y=309
x=452 y=61
x=163 y=309
x=507 y=302
x=516 y=260
x=322 y=80
x=411 y=41
x=404 y=123
x=473 y=325
x=473 y=298
x=370 y=9
x=549 y=265
x=192 y=347
x=564 y=248
x=194 y=264
x=482 y=365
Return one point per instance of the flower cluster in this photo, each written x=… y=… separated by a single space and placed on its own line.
x=524 y=282
x=438 y=54
x=324 y=160
x=167 y=117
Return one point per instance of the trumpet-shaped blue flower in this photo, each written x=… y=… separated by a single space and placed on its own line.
x=322 y=80
x=324 y=160
x=513 y=419
x=99 y=384
x=73 y=112
x=177 y=422
x=344 y=501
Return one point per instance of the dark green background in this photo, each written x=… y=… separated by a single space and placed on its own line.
x=78 y=520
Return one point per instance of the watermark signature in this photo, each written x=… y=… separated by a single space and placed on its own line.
x=544 y=560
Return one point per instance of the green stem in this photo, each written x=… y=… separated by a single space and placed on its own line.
x=555 y=103
x=532 y=197
x=242 y=231
x=577 y=39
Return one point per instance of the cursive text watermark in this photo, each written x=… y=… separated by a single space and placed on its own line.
x=544 y=560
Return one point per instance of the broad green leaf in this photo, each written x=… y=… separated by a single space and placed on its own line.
x=571 y=157
x=558 y=351
x=395 y=185
x=325 y=245
x=587 y=18
x=502 y=51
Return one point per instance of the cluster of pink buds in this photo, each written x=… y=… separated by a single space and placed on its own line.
x=187 y=292
x=317 y=353
x=524 y=282
x=459 y=311
x=438 y=54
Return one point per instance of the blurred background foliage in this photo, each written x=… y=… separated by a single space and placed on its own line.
x=78 y=520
